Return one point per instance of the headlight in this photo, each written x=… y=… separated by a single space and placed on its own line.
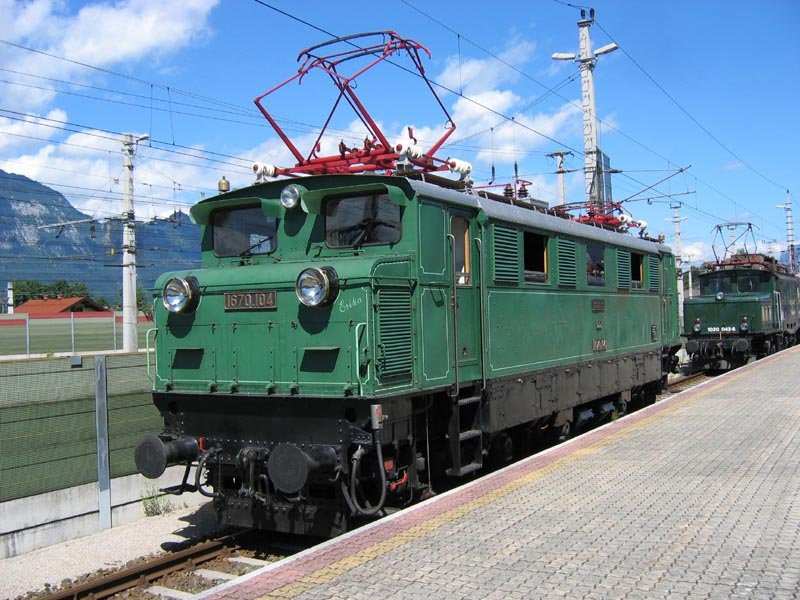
x=181 y=295
x=290 y=196
x=744 y=325
x=317 y=287
x=696 y=327
x=720 y=296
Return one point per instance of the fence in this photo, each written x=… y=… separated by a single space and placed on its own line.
x=48 y=428
x=24 y=334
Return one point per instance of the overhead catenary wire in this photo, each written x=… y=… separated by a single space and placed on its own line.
x=243 y=167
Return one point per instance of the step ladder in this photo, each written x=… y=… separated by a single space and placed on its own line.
x=466 y=436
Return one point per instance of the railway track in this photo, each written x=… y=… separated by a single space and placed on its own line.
x=190 y=571
x=684 y=382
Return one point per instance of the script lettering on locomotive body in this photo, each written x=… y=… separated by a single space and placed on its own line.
x=252 y=300
x=346 y=305
x=599 y=345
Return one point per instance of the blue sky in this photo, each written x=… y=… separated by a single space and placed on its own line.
x=710 y=84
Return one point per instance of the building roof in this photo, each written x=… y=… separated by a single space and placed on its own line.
x=58 y=305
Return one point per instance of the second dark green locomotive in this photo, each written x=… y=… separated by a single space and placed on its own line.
x=748 y=307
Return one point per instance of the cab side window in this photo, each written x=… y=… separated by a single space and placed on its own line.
x=459 y=227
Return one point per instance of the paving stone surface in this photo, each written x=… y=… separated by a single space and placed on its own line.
x=697 y=496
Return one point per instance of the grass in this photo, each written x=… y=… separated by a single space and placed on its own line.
x=47 y=336
x=155 y=503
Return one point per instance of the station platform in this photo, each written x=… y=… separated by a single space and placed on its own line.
x=696 y=496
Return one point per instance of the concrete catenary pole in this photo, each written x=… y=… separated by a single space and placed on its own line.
x=676 y=222
x=587 y=59
x=562 y=188
x=129 y=309
x=789 y=231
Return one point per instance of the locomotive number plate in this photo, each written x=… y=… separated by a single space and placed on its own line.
x=255 y=300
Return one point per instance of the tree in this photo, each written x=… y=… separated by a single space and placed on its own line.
x=30 y=289
x=144 y=301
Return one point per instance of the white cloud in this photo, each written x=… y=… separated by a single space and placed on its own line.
x=474 y=76
x=102 y=34
x=696 y=252
x=16 y=134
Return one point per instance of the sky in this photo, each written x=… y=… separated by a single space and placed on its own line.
x=696 y=109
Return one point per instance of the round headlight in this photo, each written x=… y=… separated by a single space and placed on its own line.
x=317 y=287
x=720 y=295
x=290 y=196
x=181 y=295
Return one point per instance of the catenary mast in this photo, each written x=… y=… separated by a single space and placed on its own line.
x=587 y=59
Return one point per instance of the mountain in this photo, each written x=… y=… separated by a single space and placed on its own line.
x=88 y=251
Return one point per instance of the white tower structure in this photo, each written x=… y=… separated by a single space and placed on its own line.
x=587 y=59
x=129 y=309
x=789 y=231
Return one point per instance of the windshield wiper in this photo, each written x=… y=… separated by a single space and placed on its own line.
x=248 y=251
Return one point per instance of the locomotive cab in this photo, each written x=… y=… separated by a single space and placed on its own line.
x=288 y=323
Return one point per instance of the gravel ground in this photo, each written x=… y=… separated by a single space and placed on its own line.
x=107 y=549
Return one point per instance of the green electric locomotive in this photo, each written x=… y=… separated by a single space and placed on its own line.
x=354 y=341
x=748 y=306
x=349 y=340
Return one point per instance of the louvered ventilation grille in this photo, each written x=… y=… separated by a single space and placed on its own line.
x=655 y=278
x=396 y=353
x=567 y=271
x=506 y=255
x=623 y=269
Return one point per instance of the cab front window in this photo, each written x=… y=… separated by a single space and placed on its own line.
x=358 y=221
x=718 y=282
x=243 y=232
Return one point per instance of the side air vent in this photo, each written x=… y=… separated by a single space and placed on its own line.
x=623 y=269
x=506 y=255
x=655 y=277
x=567 y=270
x=395 y=348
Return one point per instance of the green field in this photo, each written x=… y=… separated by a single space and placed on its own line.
x=47 y=336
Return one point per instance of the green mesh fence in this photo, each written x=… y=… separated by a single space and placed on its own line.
x=21 y=336
x=47 y=422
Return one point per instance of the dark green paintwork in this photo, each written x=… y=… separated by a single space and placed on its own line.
x=391 y=330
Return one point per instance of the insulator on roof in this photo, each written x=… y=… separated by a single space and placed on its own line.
x=508 y=191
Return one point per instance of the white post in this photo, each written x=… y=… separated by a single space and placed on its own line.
x=559 y=156
x=10 y=297
x=103 y=449
x=676 y=221
x=129 y=312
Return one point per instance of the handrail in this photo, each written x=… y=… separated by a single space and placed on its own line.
x=358 y=361
x=482 y=313
x=454 y=303
x=147 y=349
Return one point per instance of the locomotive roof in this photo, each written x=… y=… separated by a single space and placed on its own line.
x=533 y=218
x=530 y=215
